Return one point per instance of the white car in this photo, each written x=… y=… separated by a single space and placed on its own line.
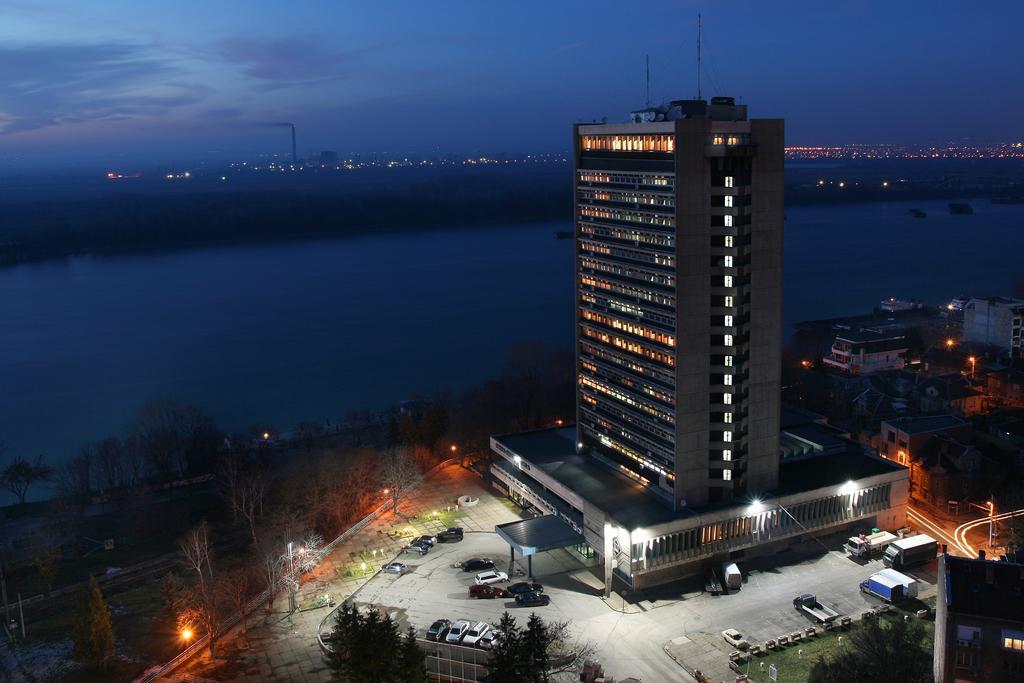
x=394 y=568
x=735 y=638
x=491 y=576
x=457 y=631
x=474 y=634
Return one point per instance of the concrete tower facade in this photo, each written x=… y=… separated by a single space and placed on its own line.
x=679 y=236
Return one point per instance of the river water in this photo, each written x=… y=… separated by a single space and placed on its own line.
x=281 y=333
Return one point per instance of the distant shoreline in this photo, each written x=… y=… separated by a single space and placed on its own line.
x=140 y=223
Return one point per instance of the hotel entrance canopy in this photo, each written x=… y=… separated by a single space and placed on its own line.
x=531 y=536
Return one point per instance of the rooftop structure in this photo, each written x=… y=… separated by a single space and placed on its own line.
x=979 y=620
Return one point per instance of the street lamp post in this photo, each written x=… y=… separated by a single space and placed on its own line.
x=991 y=521
x=974 y=362
x=291 y=558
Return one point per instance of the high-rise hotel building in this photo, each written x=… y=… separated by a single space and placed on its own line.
x=679 y=239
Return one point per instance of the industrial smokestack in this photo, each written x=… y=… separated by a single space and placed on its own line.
x=295 y=157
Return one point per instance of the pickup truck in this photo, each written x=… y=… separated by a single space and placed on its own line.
x=808 y=604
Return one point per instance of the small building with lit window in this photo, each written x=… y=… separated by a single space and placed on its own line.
x=861 y=352
x=979 y=620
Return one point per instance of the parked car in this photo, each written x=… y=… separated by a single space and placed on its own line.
x=525 y=587
x=394 y=568
x=488 y=639
x=452 y=535
x=491 y=576
x=439 y=629
x=474 y=634
x=481 y=590
x=425 y=540
x=477 y=564
x=532 y=599
x=416 y=548
x=735 y=638
x=457 y=631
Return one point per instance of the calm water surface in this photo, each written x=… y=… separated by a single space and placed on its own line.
x=288 y=332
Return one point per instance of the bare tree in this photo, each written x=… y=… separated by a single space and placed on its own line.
x=21 y=474
x=229 y=476
x=203 y=604
x=271 y=561
x=45 y=559
x=249 y=500
x=175 y=437
x=566 y=653
x=109 y=461
x=400 y=472
x=238 y=585
x=75 y=477
x=359 y=422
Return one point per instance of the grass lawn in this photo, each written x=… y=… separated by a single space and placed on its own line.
x=794 y=668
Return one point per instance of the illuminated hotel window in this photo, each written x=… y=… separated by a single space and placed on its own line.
x=728 y=361
x=1013 y=640
x=727 y=418
x=727 y=437
x=727 y=381
x=728 y=261
x=732 y=140
x=727 y=475
x=728 y=340
x=727 y=398
x=728 y=302
x=728 y=321
x=729 y=181
x=728 y=240
x=728 y=200
x=727 y=281
x=717 y=140
x=630 y=143
x=728 y=221
x=727 y=454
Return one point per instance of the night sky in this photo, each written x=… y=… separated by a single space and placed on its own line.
x=90 y=82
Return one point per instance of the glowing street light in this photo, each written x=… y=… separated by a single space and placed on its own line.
x=559 y=422
x=950 y=343
x=454 y=448
x=266 y=436
x=186 y=634
x=974 y=362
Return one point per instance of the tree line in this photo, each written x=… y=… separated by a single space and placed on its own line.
x=51 y=229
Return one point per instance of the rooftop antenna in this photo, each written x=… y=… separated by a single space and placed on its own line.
x=648 y=100
x=700 y=27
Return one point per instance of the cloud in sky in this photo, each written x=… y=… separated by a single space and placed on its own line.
x=284 y=63
x=46 y=85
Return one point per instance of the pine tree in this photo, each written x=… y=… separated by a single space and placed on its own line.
x=504 y=664
x=534 y=650
x=412 y=666
x=93 y=634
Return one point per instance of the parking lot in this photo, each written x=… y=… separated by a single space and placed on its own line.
x=648 y=636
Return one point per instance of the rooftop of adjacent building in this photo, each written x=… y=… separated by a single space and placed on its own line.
x=985 y=588
x=926 y=423
x=996 y=301
x=863 y=336
x=553 y=451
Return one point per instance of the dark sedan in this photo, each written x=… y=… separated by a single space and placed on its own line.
x=477 y=564
x=438 y=630
x=525 y=587
x=532 y=599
